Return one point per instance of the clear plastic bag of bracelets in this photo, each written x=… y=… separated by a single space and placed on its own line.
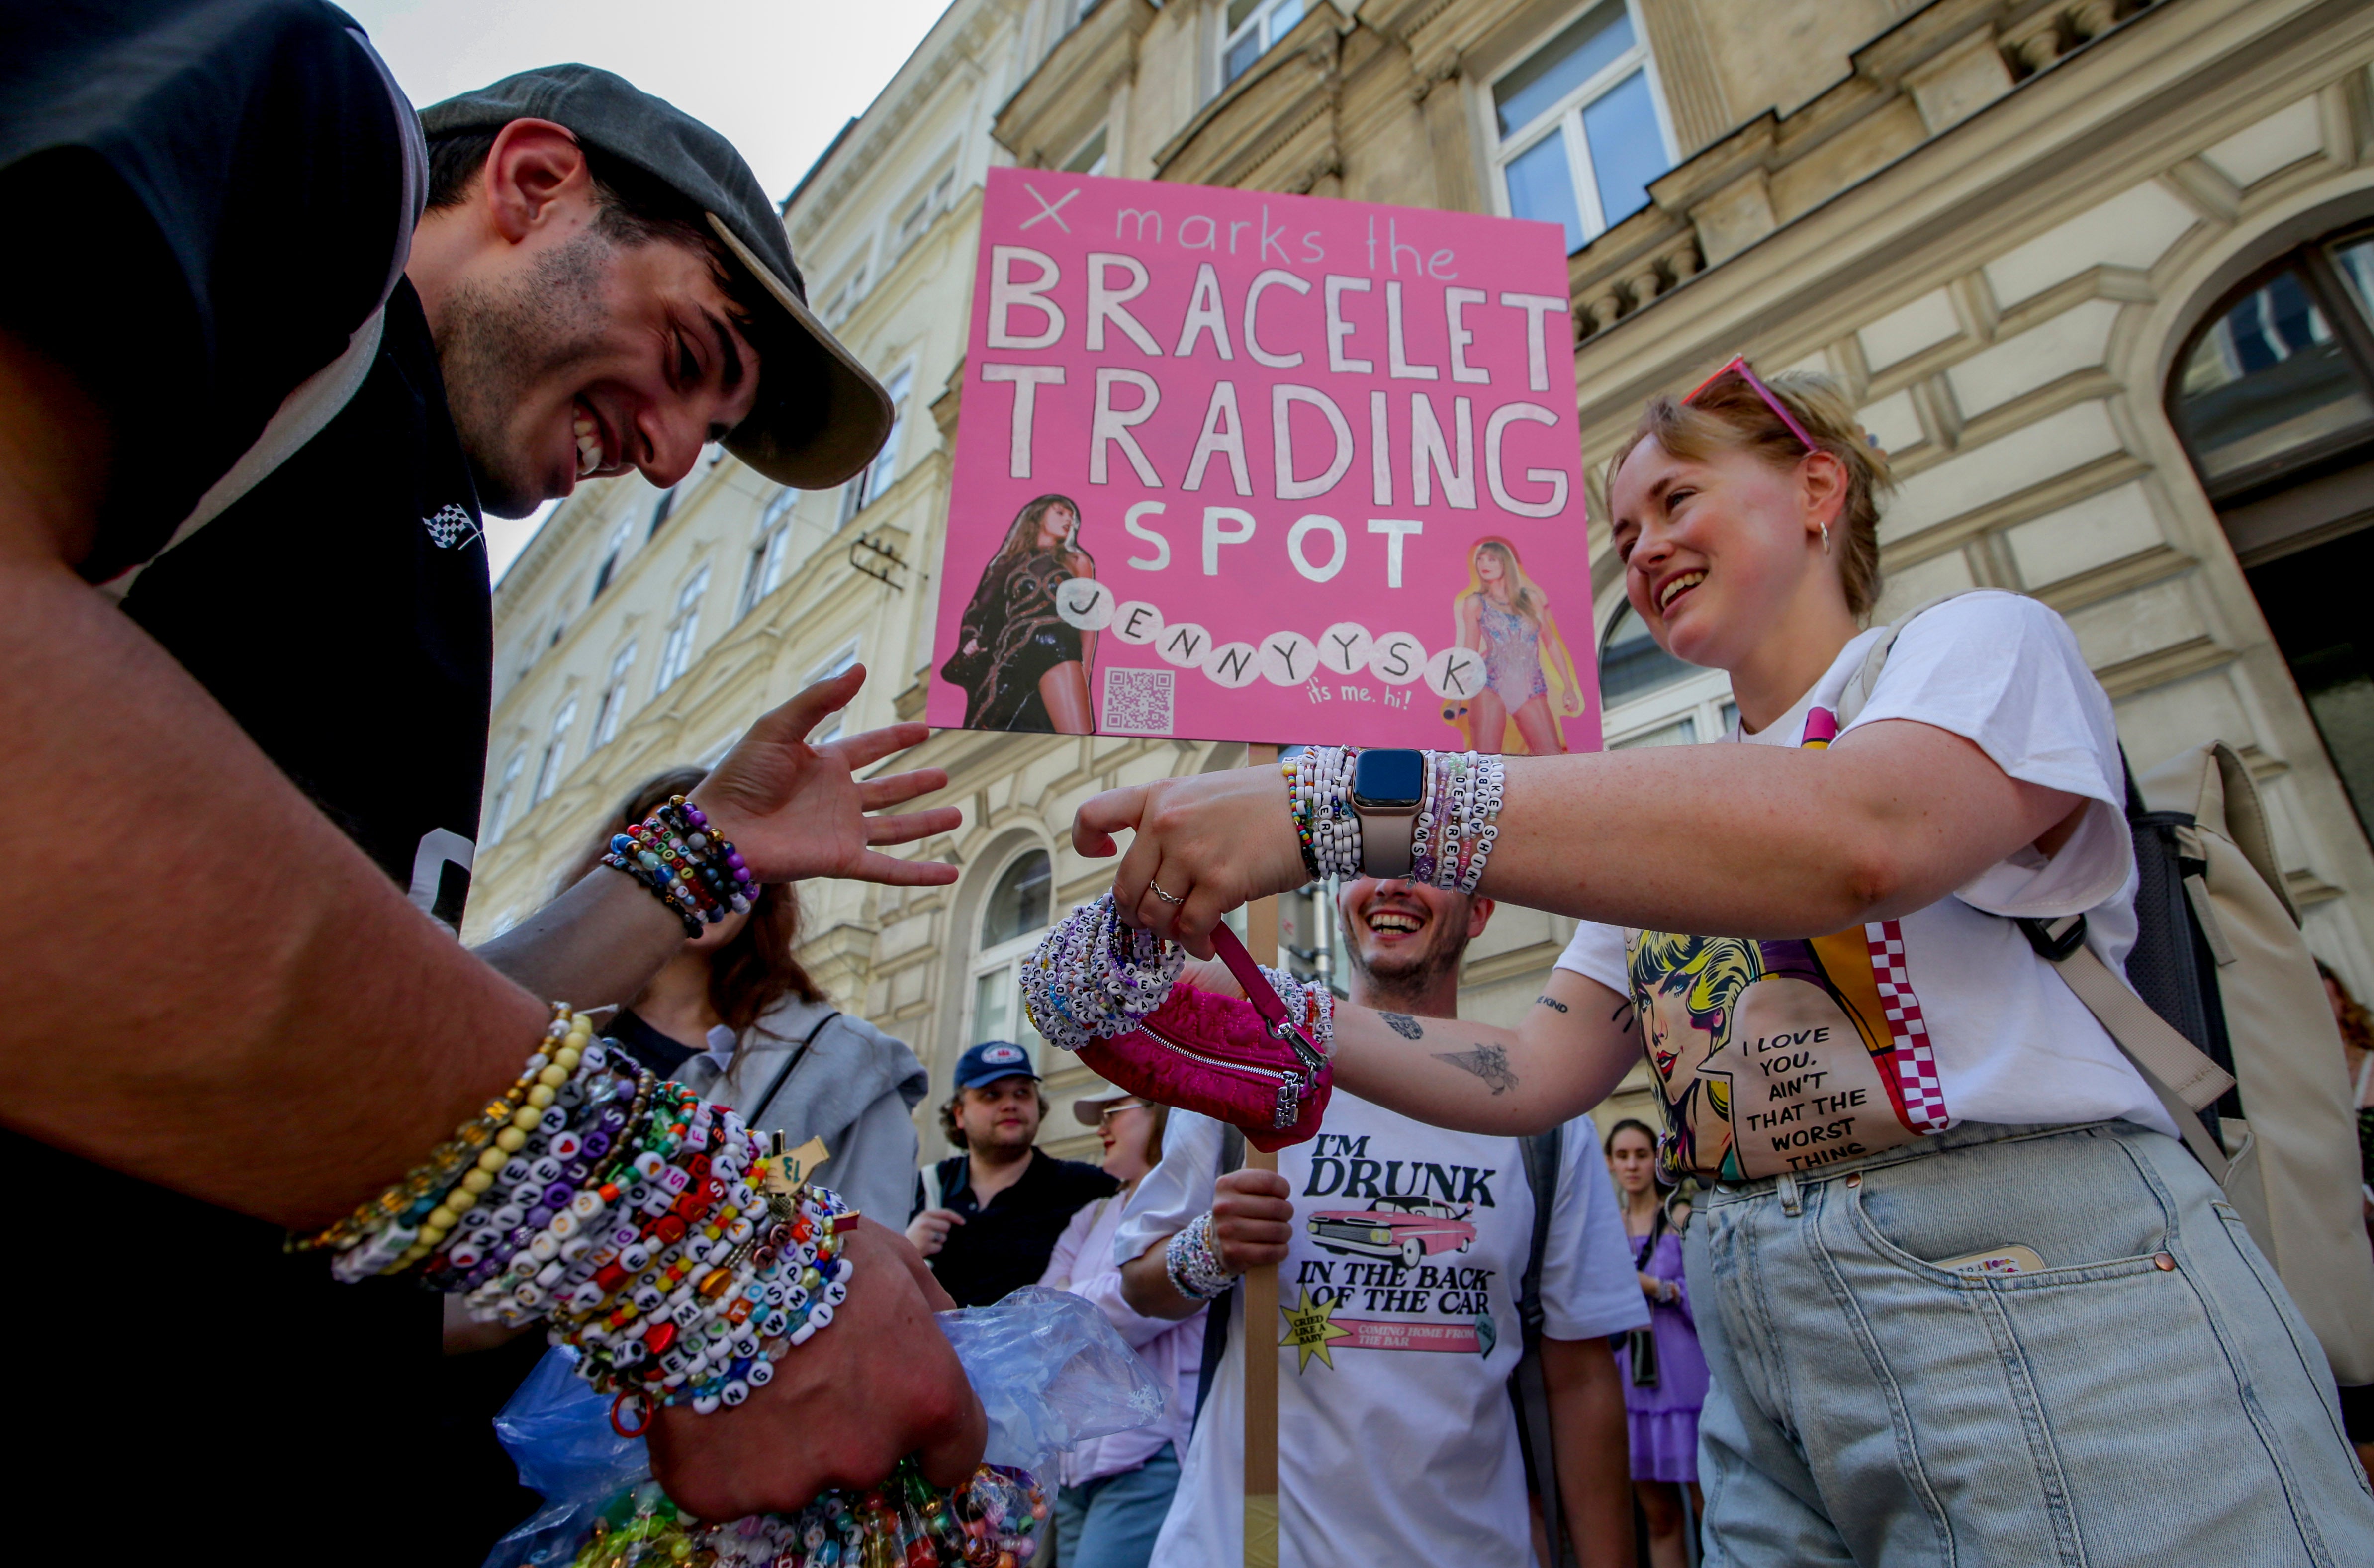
x=1049 y=1372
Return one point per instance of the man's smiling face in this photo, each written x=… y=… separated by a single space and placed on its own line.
x=578 y=340
x=1401 y=930
x=597 y=359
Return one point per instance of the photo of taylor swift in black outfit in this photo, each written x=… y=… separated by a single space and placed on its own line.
x=1019 y=663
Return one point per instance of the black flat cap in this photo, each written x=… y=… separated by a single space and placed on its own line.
x=820 y=416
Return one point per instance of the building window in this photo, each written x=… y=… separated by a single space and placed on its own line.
x=1578 y=130
x=614 y=699
x=926 y=207
x=1252 y=27
x=866 y=488
x=1019 y=908
x=555 y=754
x=767 y=550
x=2273 y=398
x=617 y=548
x=498 y=814
x=2278 y=380
x=676 y=653
x=1647 y=697
x=830 y=730
x=660 y=510
x=1090 y=159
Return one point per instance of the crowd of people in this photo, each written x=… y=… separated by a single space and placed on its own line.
x=1955 y=1281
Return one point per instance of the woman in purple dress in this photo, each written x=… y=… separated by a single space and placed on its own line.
x=1665 y=1374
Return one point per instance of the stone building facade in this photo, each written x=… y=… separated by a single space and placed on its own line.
x=2092 y=271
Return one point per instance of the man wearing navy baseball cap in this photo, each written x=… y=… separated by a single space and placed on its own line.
x=988 y=1218
x=272 y=358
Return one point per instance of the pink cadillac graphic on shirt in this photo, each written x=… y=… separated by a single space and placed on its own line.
x=1240 y=466
x=1392 y=1277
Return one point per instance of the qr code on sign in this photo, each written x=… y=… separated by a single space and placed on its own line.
x=1137 y=702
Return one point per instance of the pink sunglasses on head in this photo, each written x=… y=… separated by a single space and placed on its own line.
x=1739 y=363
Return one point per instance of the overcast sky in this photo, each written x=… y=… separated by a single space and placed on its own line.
x=779 y=78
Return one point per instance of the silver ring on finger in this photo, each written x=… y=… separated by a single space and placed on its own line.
x=1167 y=898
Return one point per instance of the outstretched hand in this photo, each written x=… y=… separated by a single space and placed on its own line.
x=1211 y=843
x=796 y=811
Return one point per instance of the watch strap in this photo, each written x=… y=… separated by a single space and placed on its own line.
x=1386 y=841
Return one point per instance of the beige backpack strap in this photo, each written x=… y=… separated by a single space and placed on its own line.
x=1860 y=685
x=2178 y=1072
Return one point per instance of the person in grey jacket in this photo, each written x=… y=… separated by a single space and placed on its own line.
x=735 y=1018
x=806 y=1070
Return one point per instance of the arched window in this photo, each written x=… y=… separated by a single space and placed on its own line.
x=1019 y=905
x=1647 y=697
x=2273 y=398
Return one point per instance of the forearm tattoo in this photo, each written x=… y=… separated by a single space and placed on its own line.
x=1490 y=1063
x=1403 y=1025
x=1550 y=1002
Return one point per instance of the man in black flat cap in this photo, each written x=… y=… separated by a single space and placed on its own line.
x=265 y=353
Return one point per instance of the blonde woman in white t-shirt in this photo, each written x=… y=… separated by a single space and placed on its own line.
x=1964 y=1296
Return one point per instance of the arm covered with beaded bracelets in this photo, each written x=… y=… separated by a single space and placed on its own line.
x=645 y=1227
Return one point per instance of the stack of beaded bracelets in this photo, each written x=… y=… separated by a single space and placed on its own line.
x=1319 y=786
x=694 y=872
x=628 y=1218
x=1456 y=819
x=1194 y=1266
x=1094 y=978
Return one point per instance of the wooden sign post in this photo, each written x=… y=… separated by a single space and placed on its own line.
x=1261 y=1299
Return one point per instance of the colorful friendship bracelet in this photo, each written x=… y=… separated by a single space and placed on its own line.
x=1195 y=1269
x=1319 y=790
x=692 y=870
x=1450 y=841
x=649 y=1228
x=1093 y=977
x=993 y=1520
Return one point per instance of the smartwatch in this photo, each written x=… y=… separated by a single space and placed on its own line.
x=1387 y=788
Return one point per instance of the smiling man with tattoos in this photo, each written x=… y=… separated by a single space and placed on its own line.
x=1403 y=1249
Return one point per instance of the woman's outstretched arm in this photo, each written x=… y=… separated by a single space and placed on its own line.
x=1751 y=841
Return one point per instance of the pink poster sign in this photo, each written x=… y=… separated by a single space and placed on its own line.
x=1235 y=465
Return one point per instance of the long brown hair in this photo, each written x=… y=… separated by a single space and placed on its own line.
x=751 y=974
x=1022 y=538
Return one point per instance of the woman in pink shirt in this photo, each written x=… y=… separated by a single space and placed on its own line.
x=1116 y=1490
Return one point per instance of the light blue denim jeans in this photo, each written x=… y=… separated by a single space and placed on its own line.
x=2150 y=1397
x=1111 y=1522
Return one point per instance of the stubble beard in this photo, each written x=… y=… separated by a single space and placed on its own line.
x=499 y=342
x=1405 y=981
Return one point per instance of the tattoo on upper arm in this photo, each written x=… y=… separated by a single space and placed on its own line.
x=1490 y=1063
x=1550 y=1002
x=1404 y=1025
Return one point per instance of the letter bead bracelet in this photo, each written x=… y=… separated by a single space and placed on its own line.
x=1194 y=1266
x=1093 y=978
x=674 y=852
x=1457 y=821
x=647 y=1227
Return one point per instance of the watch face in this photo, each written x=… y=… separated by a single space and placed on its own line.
x=1389 y=779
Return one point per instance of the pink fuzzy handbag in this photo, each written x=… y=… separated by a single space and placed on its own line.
x=1248 y=1061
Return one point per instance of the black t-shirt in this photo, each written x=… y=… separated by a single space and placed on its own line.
x=245 y=158
x=661 y=1053
x=1004 y=1245
x=207 y=197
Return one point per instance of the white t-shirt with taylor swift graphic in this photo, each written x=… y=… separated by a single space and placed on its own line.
x=1787 y=1055
x=1397 y=1444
